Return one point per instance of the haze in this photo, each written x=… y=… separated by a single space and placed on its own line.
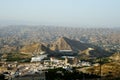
x=93 y=13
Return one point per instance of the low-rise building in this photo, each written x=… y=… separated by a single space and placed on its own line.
x=38 y=58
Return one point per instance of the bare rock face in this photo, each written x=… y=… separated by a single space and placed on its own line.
x=33 y=48
x=61 y=44
x=115 y=56
x=109 y=70
x=64 y=43
x=87 y=51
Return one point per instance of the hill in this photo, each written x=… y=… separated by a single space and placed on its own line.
x=84 y=49
x=34 y=49
x=107 y=70
x=61 y=44
x=64 y=43
x=115 y=56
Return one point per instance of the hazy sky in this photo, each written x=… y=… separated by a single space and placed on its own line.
x=61 y=12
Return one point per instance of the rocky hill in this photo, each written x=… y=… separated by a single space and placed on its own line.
x=115 y=56
x=15 y=36
x=107 y=70
x=64 y=43
x=61 y=44
x=35 y=48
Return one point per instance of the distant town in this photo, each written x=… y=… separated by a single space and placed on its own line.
x=35 y=53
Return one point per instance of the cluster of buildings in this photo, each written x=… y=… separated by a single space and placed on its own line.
x=39 y=65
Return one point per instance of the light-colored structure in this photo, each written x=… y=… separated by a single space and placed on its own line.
x=38 y=58
x=67 y=52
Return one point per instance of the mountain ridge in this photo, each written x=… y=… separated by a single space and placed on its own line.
x=64 y=43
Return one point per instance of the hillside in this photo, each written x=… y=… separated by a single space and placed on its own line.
x=84 y=49
x=64 y=43
x=35 y=48
x=111 y=69
x=115 y=56
x=15 y=36
x=61 y=44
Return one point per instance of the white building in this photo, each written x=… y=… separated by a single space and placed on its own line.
x=83 y=63
x=67 y=52
x=38 y=58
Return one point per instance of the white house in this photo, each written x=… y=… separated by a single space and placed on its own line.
x=38 y=58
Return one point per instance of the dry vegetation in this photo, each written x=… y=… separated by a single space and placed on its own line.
x=107 y=70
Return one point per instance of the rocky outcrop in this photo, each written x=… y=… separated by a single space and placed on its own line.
x=64 y=43
x=115 y=56
x=35 y=48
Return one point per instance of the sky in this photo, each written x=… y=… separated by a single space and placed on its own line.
x=61 y=12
